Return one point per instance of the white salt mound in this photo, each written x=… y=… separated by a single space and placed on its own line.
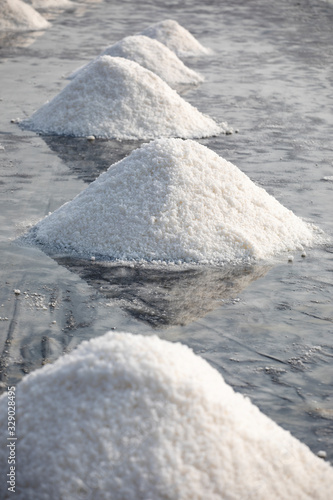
x=133 y=417
x=174 y=200
x=16 y=15
x=176 y=38
x=51 y=4
x=152 y=55
x=118 y=98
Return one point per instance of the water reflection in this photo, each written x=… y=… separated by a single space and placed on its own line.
x=88 y=159
x=161 y=296
x=13 y=39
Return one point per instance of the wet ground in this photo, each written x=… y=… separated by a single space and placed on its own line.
x=267 y=329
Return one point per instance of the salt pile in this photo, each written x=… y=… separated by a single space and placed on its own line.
x=51 y=4
x=130 y=416
x=176 y=38
x=154 y=56
x=174 y=200
x=118 y=98
x=16 y=15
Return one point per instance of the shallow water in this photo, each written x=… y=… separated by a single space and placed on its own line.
x=268 y=330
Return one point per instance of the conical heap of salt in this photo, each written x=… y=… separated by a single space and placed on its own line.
x=135 y=417
x=51 y=4
x=154 y=56
x=176 y=38
x=174 y=200
x=16 y=15
x=118 y=98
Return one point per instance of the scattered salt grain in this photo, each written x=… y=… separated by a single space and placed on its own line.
x=118 y=98
x=173 y=200
x=290 y=258
x=152 y=55
x=17 y=292
x=176 y=38
x=145 y=416
x=16 y=15
x=303 y=254
x=322 y=454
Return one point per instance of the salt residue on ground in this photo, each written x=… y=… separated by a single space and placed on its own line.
x=16 y=15
x=118 y=98
x=176 y=38
x=173 y=200
x=152 y=55
x=129 y=416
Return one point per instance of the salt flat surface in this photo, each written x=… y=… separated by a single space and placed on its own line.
x=176 y=38
x=118 y=98
x=150 y=419
x=16 y=15
x=174 y=200
x=152 y=55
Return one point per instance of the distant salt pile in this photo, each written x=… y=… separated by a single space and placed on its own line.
x=16 y=15
x=51 y=4
x=173 y=200
x=154 y=56
x=118 y=98
x=130 y=416
x=176 y=38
